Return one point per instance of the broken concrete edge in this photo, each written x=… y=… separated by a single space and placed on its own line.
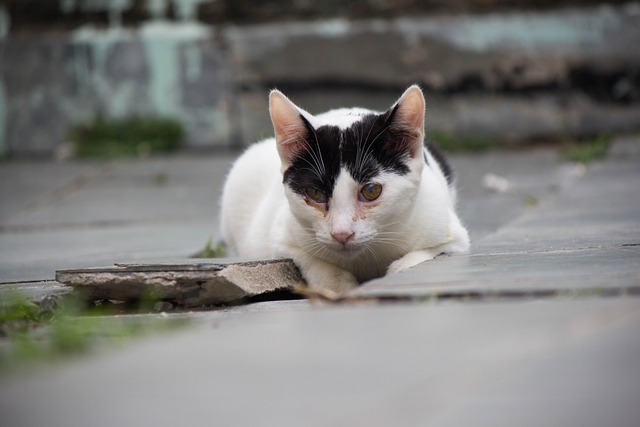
x=45 y=294
x=187 y=284
x=210 y=283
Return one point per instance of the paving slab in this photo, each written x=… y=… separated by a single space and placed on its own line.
x=532 y=175
x=602 y=209
x=599 y=271
x=72 y=215
x=128 y=191
x=37 y=254
x=551 y=362
x=24 y=185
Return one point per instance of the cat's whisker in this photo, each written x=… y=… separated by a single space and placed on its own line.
x=397 y=227
x=373 y=253
x=360 y=147
x=367 y=149
x=318 y=156
x=317 y=166
x=394 y=243
x=319 y=250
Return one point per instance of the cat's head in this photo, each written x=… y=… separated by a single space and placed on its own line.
x=350 y=175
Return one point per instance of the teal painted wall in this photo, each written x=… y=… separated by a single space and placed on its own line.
x=161 y=67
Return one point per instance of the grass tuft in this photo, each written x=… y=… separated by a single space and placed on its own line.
x=30 y=334
x=127 y=137
x=450 y=144
x=586 y=151
x=212 y=250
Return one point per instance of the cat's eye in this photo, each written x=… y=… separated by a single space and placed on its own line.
x=370 y=192
x=316 y=195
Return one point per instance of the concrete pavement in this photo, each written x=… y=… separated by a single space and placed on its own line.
x=539 y=325
x=551 y=362
x=81 y=214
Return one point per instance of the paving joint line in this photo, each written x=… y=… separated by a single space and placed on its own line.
x=31 y=282
x=621 y=246
x=481 y=295
x=99 y=224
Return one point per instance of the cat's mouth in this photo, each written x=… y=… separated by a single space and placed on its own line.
x=349 y=250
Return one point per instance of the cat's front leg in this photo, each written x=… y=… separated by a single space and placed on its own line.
x=412 y=259
x=321 y=274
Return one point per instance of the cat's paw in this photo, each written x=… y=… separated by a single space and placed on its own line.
x=338 y=281
x=320 y=274
x=410 y=260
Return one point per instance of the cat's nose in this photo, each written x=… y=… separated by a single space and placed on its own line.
x=343 y=237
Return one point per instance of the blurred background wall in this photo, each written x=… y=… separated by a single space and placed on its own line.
x=506 y=71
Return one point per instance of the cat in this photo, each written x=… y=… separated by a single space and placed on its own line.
x=349 y=195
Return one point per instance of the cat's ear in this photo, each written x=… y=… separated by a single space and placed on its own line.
x=290 y=126
x=408 y=119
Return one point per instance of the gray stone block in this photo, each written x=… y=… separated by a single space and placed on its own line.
x=189 y=284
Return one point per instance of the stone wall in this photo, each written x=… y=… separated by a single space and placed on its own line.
x=505 y=75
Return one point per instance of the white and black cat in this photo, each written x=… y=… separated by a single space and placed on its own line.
x=349 y=195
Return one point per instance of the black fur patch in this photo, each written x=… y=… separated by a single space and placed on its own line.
x=319 y=165
x=372 y=145
x=368 y=147
x=442 y=161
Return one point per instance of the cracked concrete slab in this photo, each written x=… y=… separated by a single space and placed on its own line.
x=198 y=283
x=123 y=210
x=36 y=253
x=161 y=189
x=24 y=185
x=601 y=209
x=587 y=272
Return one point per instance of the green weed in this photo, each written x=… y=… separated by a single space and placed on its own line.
x=211 y=250
x=29 y=334
x=132 y=136
x=449 y=143
x=586 y=151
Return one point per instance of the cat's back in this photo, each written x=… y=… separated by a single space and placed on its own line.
x=248 y=187
x=258 y=161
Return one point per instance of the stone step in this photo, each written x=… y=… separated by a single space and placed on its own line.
x=504 y=76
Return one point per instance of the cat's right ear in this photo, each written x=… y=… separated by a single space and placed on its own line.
x=290 y=126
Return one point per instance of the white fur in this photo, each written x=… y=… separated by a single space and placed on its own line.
x=412 y=221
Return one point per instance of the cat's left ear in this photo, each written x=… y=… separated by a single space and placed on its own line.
x=290 y=126
x=408 y=119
